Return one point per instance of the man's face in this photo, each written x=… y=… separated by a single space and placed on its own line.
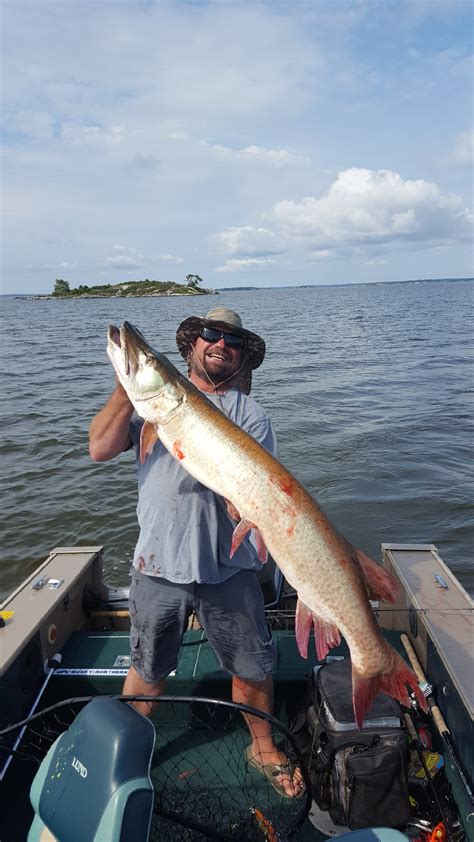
x=218 y=359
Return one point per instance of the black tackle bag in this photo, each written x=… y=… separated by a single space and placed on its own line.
x=359 y=776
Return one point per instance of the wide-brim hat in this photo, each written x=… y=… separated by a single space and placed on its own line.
x=222 y=319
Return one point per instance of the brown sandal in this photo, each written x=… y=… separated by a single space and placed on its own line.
x=272 y=771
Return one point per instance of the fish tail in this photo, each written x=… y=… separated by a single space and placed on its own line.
x=393 y=683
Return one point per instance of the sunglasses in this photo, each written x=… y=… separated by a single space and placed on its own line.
x=211 y=334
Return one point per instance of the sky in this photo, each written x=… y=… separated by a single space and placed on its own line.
x=251 y=143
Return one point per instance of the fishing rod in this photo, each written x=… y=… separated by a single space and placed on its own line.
x=419 y=750
x=436 y=714
x=52 y=665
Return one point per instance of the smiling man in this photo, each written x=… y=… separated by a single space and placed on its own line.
x=182 y=562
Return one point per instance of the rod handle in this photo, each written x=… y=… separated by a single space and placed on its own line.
x=434 y=709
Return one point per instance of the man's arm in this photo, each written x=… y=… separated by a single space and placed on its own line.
x=108 y=432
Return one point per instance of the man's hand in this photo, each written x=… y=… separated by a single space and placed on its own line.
x=108 y=432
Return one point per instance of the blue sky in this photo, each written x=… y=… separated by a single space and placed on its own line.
x=262 y=144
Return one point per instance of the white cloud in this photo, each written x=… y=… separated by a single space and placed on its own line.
x=125 y=258
x=168 y=258
x=80 y=135
x=322 y=254
x=235 y=265
x=177 y=135
x=259 y=154
x=124 y=261
x=247 y=241
x=364 y=207
x=463 y=152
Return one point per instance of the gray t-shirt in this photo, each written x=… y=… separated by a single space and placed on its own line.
x=185 y=531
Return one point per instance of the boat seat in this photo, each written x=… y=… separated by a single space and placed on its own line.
x=94 y=783
x=373 y=834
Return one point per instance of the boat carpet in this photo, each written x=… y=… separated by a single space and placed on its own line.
x=199 y=769
x=97 y=663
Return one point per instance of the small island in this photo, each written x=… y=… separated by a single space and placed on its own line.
x=129 y=289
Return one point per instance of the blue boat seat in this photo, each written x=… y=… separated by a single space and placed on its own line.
x=94 y=783
x=374 y=834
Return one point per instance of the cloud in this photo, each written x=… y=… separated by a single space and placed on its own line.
x=248 y=241
x=80 y=135
x=366 y=207
x=51 y=267
x=463 y=152
x=67 y=264
x=259 y=154
x=322 y=254
x=235 y=265
x=125 y=258
x=170 y=258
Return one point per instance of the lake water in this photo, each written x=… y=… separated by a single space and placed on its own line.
x=368 y=386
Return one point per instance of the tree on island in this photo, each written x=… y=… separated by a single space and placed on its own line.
x=193 y=280
x=61 y=287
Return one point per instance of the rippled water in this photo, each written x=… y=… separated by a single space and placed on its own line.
x=368 y=387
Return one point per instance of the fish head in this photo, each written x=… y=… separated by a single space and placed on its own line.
x=151 y=382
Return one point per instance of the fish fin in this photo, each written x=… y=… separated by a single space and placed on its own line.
x=303 y=621
x=326 y=635
x=239 y=533
x=380 y=584
x=261 y=548
x=148 y=437
x=393 y=683
x=231 y=510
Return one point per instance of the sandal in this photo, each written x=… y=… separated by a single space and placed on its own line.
x=272 y=771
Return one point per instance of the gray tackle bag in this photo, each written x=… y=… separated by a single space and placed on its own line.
x=359 y=776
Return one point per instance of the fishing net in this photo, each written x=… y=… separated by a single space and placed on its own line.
x=205 y=788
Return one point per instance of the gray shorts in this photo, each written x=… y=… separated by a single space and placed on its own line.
x=231 y=614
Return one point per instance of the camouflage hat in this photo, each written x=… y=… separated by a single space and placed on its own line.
x=223 y=319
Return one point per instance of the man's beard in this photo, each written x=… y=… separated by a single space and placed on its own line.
x=199 y=367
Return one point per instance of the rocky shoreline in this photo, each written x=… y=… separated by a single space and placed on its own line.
x=197 y=292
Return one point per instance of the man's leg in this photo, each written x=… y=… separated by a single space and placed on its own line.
x=158 y=613
x=134 y=685
x=232 y=614
x=259 y=695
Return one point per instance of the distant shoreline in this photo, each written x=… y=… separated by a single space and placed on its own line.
x=48 y=296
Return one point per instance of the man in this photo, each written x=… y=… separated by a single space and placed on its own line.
x=182 y=560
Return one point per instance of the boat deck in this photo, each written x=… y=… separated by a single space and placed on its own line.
x=199 y=766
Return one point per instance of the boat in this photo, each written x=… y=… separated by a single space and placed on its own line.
x=64 y=645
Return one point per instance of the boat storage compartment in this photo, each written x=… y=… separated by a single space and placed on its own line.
x=437 y=615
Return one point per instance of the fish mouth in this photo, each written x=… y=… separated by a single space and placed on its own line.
x=133 y=346
x=118 y=337
x=114 y=335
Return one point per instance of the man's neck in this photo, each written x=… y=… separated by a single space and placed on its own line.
x=205 y=386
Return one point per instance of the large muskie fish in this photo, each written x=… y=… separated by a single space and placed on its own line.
x=332 y=579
